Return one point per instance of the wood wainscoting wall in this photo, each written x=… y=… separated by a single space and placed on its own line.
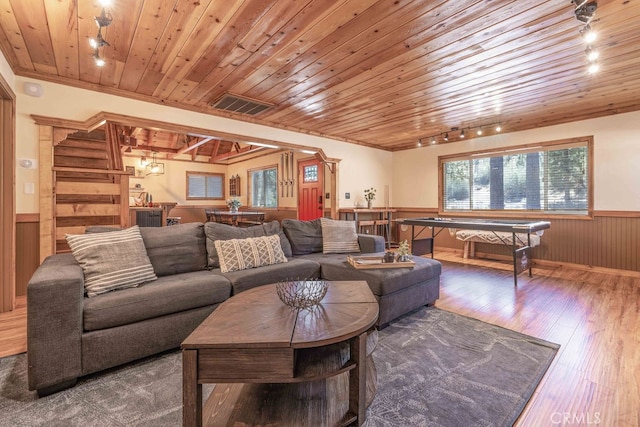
x=609 y=240
x=27 y=253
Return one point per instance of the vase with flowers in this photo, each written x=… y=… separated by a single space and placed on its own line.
x=369 y=196
x=233 y=204
x=403 y=252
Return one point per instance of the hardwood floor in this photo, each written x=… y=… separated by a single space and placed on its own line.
x=13 y=329
x=593 y=315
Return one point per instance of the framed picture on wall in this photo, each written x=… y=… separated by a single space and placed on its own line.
x=131 y=170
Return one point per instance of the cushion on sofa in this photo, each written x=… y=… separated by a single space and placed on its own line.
x=111 y=261
x=339 y=237
x=216 y=231
x=167 y=295
x=382 y=281
x=305 y=236
x=177 y=249
x=252 y=252
x=295 y=268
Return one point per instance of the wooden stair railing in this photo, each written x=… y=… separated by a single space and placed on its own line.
x=82 y=182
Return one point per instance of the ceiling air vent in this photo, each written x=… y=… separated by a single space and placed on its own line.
x=239 y=104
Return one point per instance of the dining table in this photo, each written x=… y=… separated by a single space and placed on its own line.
x=235 y=218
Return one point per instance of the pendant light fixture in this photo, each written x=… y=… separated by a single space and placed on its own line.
x=155 y=167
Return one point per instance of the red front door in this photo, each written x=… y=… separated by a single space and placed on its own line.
x=310 y=191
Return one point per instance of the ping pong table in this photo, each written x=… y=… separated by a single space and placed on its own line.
x=520 y=247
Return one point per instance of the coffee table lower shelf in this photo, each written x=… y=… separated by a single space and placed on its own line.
x=317 y=395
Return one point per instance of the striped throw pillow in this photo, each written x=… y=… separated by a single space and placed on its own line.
x=241 y=254
x=339 y=237
x=111 y=261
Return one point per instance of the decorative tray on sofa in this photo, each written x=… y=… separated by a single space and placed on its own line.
x=365 y=262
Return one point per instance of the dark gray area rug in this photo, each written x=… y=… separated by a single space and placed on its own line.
x=435 y=368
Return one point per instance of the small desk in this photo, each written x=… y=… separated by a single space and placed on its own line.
x=383 y=214
x=234 y=218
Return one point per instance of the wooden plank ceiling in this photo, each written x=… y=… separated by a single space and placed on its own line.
x=382 y=73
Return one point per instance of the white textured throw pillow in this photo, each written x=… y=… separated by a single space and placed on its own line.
x=241 y=254
x=113 y=260
x=339 y=237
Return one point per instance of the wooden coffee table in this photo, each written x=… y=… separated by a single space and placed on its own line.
x=272 y=364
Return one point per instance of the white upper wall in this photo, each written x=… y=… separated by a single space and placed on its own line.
x=616 y=162
x=6 y=72
x=360 y=168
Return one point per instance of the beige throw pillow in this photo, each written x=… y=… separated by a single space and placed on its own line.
x=241 y=254
x=111 y=261
x=339 y=237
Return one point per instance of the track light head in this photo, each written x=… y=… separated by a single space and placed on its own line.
x=585 y=10
x=96 y=57
x=104 y=20
x=99 y=41
x=592 y=54
x=588 y=35
x=446 y=136
x=462 y=133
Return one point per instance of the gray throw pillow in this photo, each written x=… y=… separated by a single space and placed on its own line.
x=111 y=261
x=339 y=237
x=216 y=231
x=177 y=249
x=305 y=236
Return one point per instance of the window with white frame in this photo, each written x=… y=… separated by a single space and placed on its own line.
x=552 y=177
x=205 y=186
x=264 y=187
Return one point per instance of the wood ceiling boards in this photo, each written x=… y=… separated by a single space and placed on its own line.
x=378 y=73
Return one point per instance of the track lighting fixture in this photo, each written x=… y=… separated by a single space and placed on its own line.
x=460 y=132
x=585 y=12
x=104 y=20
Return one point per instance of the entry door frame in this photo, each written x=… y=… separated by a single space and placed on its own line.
x=332 y=166
x=300 y=168
x=7 y=197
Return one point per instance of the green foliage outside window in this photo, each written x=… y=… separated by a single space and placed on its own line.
x=264 y=188
x=550 y=178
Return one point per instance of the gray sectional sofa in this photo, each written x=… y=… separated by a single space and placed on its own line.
x=70 y=335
